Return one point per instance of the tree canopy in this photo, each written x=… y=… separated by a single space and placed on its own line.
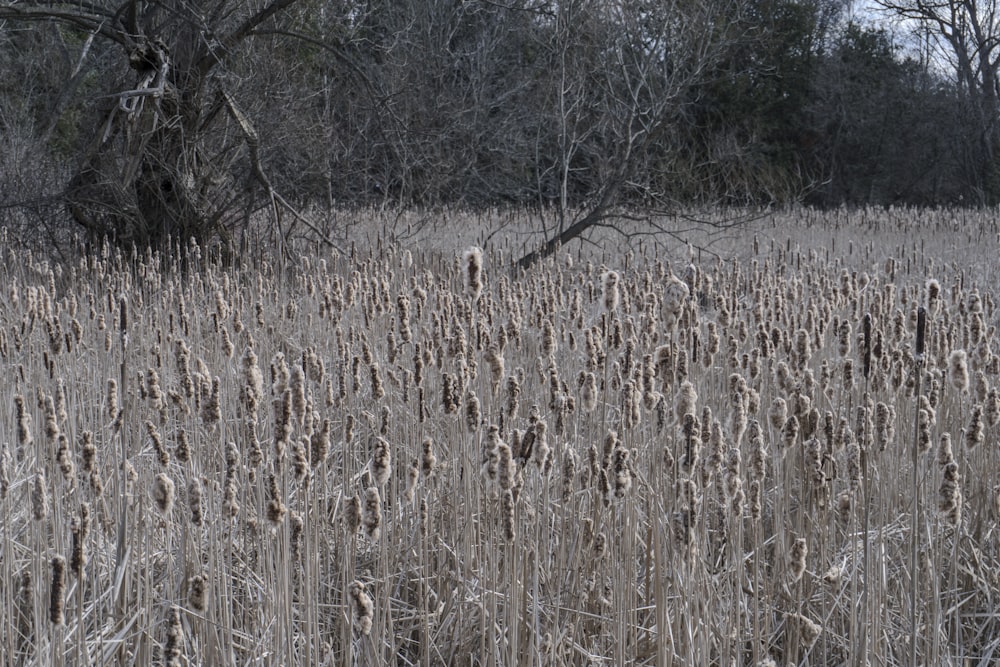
x=148 y=121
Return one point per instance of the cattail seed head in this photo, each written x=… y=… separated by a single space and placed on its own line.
x=933 y=293
x=198 y=592
x=494 y=358
x=412 y=478
x=975 y=435
x=472 y=413
x=174 y=645
x=540 y=451
x=428 y=461
x=381 y=465
x=296 y=524
x=275 y=507
x=505 y=466
x=991 y=407
x=797 y=559
x=507 y=514
x=253 y=387
x=362 y=608
x=687 y=399
x=352 y=514
x=79 y=528
x=833 y=575
x=320 y=444
x=24 y=437
x=755 y=499
x=950 y=495
x=195 y=493
x=610 y=296
x=472 y=271
x=845 y=333
x=778 y=413
x=64 y=458
x=809 y=631
x=371 y=513
x=622 y=471
x=40 y=496
x=163 y=493
x=885 y=429
x=57 y=591
x=790 y=431
x=958 y=370
x=123 y=317
x=945 y=453
x=183 y=449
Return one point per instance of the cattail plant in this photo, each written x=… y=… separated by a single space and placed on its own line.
x=80 y=528
x=173 y=648
x=472 y=272
x=40 y=496
x=610 y=296
x=163 y=493
x=958 y=370
x=23 y=418
x=428 y=461
x=371 y=513
x=194 y=496
x=797 y=559
x=57 y=591
x=362 y=608
x=381 y=465
x=198 y=592
x=276 y=509
x=975 y=434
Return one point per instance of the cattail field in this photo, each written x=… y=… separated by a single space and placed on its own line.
x=778 y=444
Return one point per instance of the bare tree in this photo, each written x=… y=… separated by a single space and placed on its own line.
x=968 y=34
x=646 y=59
x=161 y=160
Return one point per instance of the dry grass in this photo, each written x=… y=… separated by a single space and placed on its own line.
x=727 y=454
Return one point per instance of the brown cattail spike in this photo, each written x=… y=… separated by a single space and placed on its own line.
x=174 y=645
x=361 y=607
x=163 y=493
x=57 y=591
x=866 y=367
x=921 y=329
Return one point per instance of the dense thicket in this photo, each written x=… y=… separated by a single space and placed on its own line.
x=144 y=120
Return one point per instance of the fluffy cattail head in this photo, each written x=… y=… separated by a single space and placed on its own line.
x=610 y=295
x=163 y=493
x=57 y=591
x=790 y=431
x=473 y=415
x=797 y=559
x=352 y=514
x=381 y=461
x=371 y=513
x=472 y=271
x=195 y=493
x=175 y=639
x=975 y=435
x=933 y=292
x=428 y=461
x=24 y=437
x=275 y=507
x=507 y=514
x=809 y=630
x=958 y=370
x=362 y=608
x=198 y=592
x=40 y=496
x=687 y=399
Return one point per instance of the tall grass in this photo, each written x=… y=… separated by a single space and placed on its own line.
x=725 y=453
